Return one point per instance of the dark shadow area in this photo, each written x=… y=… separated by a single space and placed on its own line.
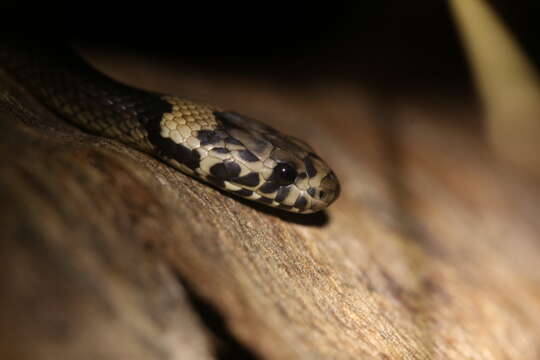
x=227 y=347
x=390 y=47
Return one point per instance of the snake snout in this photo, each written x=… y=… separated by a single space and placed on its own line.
x=329 y=189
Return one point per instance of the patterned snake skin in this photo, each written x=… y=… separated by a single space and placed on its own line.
x=239 y=155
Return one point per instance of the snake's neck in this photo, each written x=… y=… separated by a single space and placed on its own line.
x=59 y=78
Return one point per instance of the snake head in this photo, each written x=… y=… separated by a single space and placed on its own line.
x=244 y=157
x=289 y=176
x=305 y=184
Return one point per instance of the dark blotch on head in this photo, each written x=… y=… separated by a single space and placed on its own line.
x=208 y=137
x=218 y=170
x=233 y=169
x=300 y=203
x=225 y=170
x=310 y=168
x=311 y=191
x=251 y=179
x=184 y=155
x=269 y=187
x=247 y=156
x=180 y=153
x=282 y=193
x=233 y=141
x=243 y=192
x=221 y=150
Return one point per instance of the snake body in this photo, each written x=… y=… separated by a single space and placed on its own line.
x=232 y=152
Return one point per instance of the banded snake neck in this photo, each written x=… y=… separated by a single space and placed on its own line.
x=223 y=148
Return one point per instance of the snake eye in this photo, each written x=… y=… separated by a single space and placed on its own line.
x=284 y=174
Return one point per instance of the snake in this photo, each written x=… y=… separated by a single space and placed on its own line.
x=222 y=148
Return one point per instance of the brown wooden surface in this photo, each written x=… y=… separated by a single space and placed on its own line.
x=431 y=252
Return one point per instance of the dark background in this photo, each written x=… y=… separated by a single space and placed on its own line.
x=391 y=44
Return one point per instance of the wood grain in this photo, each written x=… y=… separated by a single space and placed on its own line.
x=431 y=252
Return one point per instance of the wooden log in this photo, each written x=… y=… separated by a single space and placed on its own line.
x=431 y=252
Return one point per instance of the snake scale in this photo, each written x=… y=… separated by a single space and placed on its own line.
x=223 y=148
